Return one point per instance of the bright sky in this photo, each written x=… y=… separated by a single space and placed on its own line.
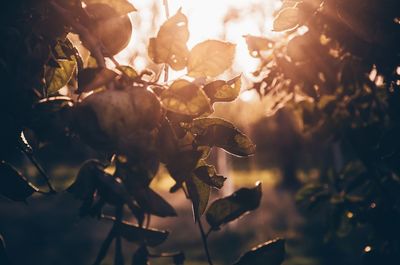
x=206 y=22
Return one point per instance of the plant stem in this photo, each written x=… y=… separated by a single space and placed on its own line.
x=166 y=68
x=204 y=239
x=105 y=246
x=119 y=256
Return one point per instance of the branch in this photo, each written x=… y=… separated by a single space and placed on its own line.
x=119 y=256
x=205 y=244
x=105 y=246
x=166 y=68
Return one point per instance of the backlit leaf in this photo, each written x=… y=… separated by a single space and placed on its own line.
x=58 y=77
x=227 y=209
x=208 y=175
x=223 y=91
x=269 y=253
x=13 y=185
x=287 y=19
x=128 y=71
x=122 y=7
x=186 y=98
x=210 y=58
x=170 y=44
x=199 y=193
x=153 y=203
x=221 y=133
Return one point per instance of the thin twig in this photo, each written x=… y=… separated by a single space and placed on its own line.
x=166 y=68
x=119 y=256
x=205 y=244
x=40 y=170
x=105 y=246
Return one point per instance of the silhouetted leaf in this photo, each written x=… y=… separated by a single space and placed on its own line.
x=153 y=203
x=223 y=91
x=269 y=253
x=287 y=19
x=208 y=175
x=227 y=209
x=58 y=77
x=137 y=234
x=13 y=185
x=185 y=98
x=85 y=182
x=141 y=256
x=210 y=58
x=170 y=44
x=199 y=193
x=91 y=78
x=221 y=133
x=122 y=7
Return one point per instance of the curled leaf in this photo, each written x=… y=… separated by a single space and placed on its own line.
x=210 y=58
x=185 y=98
x=13 y=184
x=170 y=44
x=269 y=253
x=221 y=133
x=227 y=209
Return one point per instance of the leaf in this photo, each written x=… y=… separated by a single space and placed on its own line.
x=208 y=175
x=221 y=133
x=134 y=233
x=122 y=7
x=227 y=209
x=13 y=185
x=223 y=91
x=91 y=78
x=185 y=98
x=141 y=256
x=128 y=71
x=287 y=19
x=58 y=77
x=257 y=44
x=153 y=203
x=84 y=185
x=210 y=58
x=199 y=193
x=269 y=253
x=170 y=44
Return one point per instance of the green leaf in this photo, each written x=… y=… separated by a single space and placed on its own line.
x=122 y=7
x=221 y=133
x=137 y=234
x=210 y=58
x=208 y=175
x=170 y=44
x=287 y=19
x=223 y=91
x=227 y=209
x=128 y=71
x=13 y=185
x=185 y=98
x=199 y=194
x=92 y=78
x=269 y=253
x=58 y=77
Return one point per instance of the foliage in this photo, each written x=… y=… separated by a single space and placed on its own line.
x=130 y=121
x=338 y=71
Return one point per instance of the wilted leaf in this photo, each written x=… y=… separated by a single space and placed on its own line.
x=91 y=78
x=210 y=58
x=153 y=203
x=208 y=175
x=227 y=209
x=185 y=98
x=13 y=185
x=287 y=19
x=221 y=133
x=269 y=253
x=223 y=91
x=199 y=193
x=58 y=77
x=122 y=7
x=134 y=233
x=257 y=44
x=170 y=44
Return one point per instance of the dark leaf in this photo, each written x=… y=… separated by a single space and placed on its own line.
x=208 y=175
x=269 y=253
x=221 y=133
x=92 y=78
x=199 y=193
x=141 y=256
x=153 y=203
x=227 y=209
x=58 y=77
x=179 y=258
x=85 y=183
x=182 y=165
x=13 y=185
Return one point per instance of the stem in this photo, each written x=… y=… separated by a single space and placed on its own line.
x=166 y=68
x=40 y=170
x=119 y=256
x=205 y=244
x=105 y=246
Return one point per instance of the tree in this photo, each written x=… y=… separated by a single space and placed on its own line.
x=131 y=122
x=338 y=68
